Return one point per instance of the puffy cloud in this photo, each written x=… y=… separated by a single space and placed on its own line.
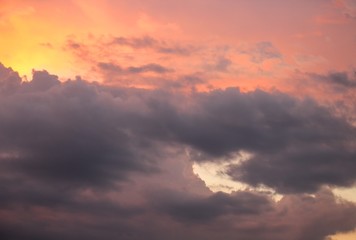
x=81 y=160
x=42 y=81
x=296 y=145
x=9 y=80
x=70 y=133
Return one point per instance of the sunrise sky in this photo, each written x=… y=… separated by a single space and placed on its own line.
x=166 y=119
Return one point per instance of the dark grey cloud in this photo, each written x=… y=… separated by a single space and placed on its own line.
x=297 y=145
x=147 y=42
x=198 y=209
x=336 y=79
x=27 y=192
x=9 y=80
x=67 y=133
x=244 y=215
x=83 y=161
x=342 y=78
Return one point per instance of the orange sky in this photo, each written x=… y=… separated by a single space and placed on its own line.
x=315 y=37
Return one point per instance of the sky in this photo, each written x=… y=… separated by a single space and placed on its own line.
x=199 y=119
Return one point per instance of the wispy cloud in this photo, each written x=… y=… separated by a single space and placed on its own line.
x=148 y=42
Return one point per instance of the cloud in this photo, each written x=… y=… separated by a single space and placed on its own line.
x=147 y=42
x=144 y=42
x=348 y=8
x=73 y=45
x=149 y=68
x=261 y=51
x=341 y=78
x=197 y=209
x=296 y=145
x=152 y=67
x=133 y=75
x=315 y=217
x=68 y=134
x=295 y=217
x=338 y=84
x=42 y=81
x=110 y=67
x=9 y=80
x=221 y=64
x=81 y=160
x=336 y=79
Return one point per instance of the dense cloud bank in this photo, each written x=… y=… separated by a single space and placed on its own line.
x=83 y=161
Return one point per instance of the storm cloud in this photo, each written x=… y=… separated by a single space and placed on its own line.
x=66 y=133
x=82 y=160
x=296 y=145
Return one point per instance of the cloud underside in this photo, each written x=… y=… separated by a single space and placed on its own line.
x=71 y=152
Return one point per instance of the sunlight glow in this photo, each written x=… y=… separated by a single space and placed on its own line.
x=215 y=177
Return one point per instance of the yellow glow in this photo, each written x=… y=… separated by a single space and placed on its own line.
x=28 y=42
x=346 y=193
x=344 y=236
x=216 y=180
x=34 y=33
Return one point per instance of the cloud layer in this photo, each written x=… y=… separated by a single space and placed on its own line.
x=82 y=160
